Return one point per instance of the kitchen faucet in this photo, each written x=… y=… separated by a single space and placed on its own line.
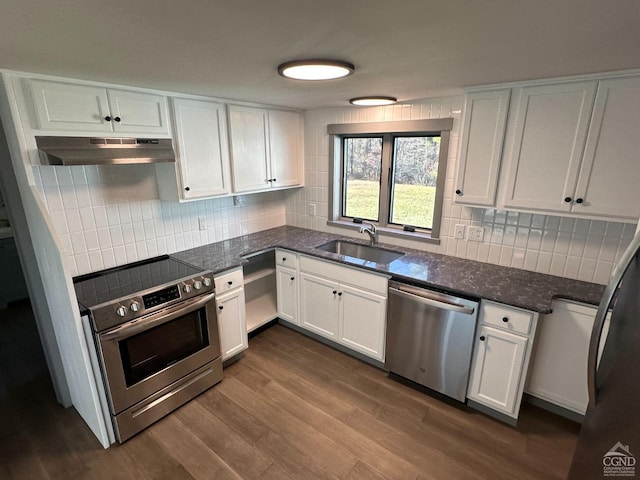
x=372 y=232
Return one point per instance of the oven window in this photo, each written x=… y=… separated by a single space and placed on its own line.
x=153 y=350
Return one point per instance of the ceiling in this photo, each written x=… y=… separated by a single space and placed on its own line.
x=410 y=49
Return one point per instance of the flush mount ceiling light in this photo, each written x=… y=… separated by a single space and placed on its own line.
x=315 y=69
x=373 y=101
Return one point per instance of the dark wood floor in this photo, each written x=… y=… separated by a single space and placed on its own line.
x=291 y=408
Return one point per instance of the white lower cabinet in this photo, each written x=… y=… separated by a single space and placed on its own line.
x=345 y=305
x=319 y=305
x=559 y=360
x=497 y=368
x=230 y=307
x=287 y=294
x=363 y=322
x=501 y=357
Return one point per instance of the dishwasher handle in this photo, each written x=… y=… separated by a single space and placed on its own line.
x=431 y=299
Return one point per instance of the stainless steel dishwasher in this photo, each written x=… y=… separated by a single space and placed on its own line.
x=430 y=338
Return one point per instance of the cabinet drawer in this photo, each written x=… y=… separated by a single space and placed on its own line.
x=286 y=259
x=229 y=280
x=507 y=318
x=345 y=275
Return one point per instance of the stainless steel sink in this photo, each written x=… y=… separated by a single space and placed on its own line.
x=362 y=252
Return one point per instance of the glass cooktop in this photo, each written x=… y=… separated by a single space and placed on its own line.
x=128 y=280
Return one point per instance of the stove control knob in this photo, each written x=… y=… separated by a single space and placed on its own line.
x=134 y=307
x=121 y=311
x=186 y=288
x=206 y=281
x=197 y=284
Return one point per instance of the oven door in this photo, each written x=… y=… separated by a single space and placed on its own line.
x=145 y=355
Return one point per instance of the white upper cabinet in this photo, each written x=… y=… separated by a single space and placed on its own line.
x=285 y=144
x=610 y=174
x=69 y=107
x=480 y=153
x=202 y=150
x=249 y=148
x=545 y=150
x=266 y=148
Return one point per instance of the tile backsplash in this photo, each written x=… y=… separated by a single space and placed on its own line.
x=111 y=215
x=580 y=249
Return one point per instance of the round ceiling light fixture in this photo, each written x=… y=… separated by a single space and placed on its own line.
x=373 y=101
x=315 y=69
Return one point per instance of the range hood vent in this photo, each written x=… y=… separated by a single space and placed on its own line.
x=103 y=151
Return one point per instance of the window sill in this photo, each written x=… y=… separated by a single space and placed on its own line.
x=392 y=232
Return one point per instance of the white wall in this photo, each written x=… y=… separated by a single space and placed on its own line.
x=580 y=249
x=111 y=215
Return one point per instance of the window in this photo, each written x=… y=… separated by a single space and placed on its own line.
x=390 y=173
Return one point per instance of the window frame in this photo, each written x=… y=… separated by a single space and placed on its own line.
x=388 y=131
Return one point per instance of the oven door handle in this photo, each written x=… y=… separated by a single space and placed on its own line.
x=136 y=326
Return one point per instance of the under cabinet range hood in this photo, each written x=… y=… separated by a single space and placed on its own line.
x=103 y=151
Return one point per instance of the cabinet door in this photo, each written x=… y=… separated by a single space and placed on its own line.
x=546 y=146
x=232 y=323
x=362 y=321
x=319 y=305
x=610 y=173
x=497 y=369
x=142 y=113
x=203 y=151
x=287 y=293
x=559 y=366
x=481 y=148
x=68 y=107
x=285 y=140
x=249 y=148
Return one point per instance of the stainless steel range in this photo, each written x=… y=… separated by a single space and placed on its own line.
x=156 y=334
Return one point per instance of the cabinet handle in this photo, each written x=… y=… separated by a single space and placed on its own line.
x=335 y=291
x=579 y=200
x=458 y=192
x=273 y=180
x=293 y=278
x=340 y=294
x=229 y=282
x=220 y=307
x=482 y=338
x=284 y=259
x=187 y=188
x=269 y=180
x=505 y=319
x=117 y=119
x=567 y=199
x=107 y=118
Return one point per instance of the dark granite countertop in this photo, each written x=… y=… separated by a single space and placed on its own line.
x=511 y=286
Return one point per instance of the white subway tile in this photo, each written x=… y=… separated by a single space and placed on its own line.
x=603 y=272
x=544 y=262
x=100 y=216
x=587 y=270
x=95 y=259
x=117 y=237
x=78 y=244
x=572 y=267
x=91 y=240
x=83 y=264
x=558 y=262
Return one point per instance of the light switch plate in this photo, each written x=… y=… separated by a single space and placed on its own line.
x=312 y=209
x=476 y=234
x=202 y=223
x=459 y=231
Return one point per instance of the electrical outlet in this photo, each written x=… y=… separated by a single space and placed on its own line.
x=476 y=234
x=459 y=231
x=202 y=223
x=312 y=209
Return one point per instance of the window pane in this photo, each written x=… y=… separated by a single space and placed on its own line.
x=414 y=181
x=361 y=188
